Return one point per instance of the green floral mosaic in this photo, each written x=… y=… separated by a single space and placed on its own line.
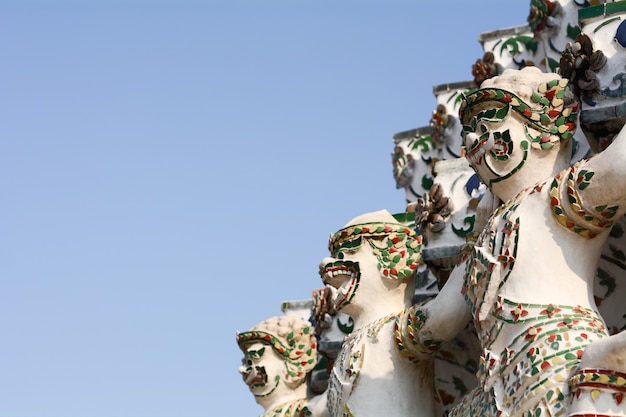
x=397 y=248
x=547 y=114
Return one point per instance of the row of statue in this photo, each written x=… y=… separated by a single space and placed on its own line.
x=500 y=291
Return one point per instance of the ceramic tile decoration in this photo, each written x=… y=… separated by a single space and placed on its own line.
x=370 y=275
x=499 y=292
x=278 y=354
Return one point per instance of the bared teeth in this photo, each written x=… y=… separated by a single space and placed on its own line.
x=480 y=147
x=475 y=156
x=336 y=271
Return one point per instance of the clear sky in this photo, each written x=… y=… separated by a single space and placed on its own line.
x=170 y=172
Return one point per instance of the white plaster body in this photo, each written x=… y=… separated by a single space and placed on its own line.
x=509 y=304
x=370 y=376
x=525 y=263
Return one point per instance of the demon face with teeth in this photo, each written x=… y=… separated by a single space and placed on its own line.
x=502 y=129
x=372 y=250
x=278 y=353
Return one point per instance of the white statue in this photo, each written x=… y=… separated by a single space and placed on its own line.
x=371 y=275
x=528 y=282
x=278 y=354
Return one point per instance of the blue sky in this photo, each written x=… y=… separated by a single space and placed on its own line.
x=171 y=170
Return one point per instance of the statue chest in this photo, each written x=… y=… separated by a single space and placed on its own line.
x=493 y=257
x=351 y=361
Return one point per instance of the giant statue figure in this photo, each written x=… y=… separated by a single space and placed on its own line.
x=370 y=275
x=278 y=354
x=527 y=284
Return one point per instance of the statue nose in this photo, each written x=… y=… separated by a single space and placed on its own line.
x=325 y=262
x=322 y=268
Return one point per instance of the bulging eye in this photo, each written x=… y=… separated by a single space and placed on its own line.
x=482 y=128
x=340 y=255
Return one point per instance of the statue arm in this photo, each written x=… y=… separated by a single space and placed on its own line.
x=603 y=179
x=422 y=328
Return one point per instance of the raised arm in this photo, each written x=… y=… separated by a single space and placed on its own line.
x=424 y=327
x=595 y=189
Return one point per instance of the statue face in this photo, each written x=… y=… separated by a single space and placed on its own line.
x=344 y=271
x=497 y=145
x=343 y=276
x=261 y=369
